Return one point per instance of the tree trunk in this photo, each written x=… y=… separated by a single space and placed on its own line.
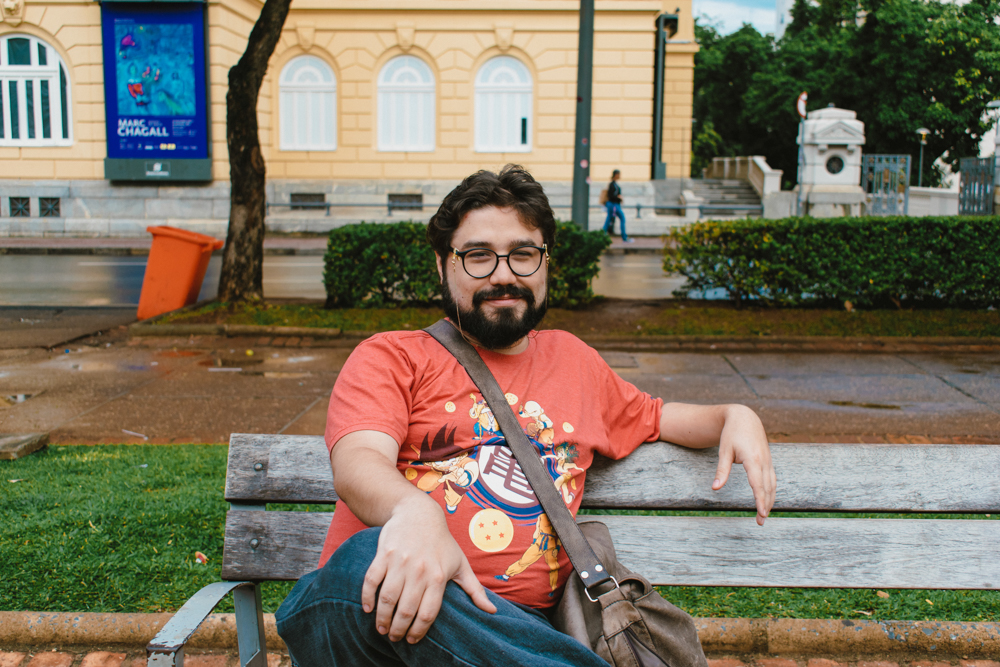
x=243 y=257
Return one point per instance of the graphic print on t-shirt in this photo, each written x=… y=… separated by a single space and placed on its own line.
x=488 y=475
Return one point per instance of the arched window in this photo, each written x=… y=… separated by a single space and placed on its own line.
x=34 y=94
x=503 y=106
x=406 y=105
x=308 y=105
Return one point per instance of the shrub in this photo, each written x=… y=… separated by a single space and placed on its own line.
x=871 y=262
x=378 y=265
x=575 y=262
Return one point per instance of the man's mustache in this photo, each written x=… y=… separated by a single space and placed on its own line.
x=502 y=291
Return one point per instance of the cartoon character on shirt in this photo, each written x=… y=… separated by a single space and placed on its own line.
x=457 y=474
x=565 y=456
x=541 y=427
x=486 y=424
x=544 y=543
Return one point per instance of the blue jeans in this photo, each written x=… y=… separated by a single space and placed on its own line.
x=609 y=223
x=323 y=624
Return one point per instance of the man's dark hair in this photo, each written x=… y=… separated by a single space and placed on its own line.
x=512 y=188
x=616 y=172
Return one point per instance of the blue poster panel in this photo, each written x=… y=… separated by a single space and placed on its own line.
x=154 y=80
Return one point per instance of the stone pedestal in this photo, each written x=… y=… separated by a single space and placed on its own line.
x=831 y=176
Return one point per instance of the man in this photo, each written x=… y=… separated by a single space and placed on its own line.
x=443 y=582
x=614 y=207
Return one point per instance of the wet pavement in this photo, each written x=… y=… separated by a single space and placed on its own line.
x=191 y=389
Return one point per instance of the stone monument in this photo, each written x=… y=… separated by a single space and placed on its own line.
x=830 y=179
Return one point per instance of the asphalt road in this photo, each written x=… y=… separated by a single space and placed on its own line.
x=95 y=280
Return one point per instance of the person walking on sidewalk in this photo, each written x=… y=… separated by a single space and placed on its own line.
x=614 y=206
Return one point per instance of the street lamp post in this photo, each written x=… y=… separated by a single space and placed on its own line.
x=923 y=132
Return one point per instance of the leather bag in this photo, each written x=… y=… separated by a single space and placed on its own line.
x=605 y=606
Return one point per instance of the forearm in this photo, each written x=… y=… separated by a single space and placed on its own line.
x=368 y=481
x=700 y=426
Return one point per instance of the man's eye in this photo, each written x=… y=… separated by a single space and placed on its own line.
x=523 y=253
x=479 y=256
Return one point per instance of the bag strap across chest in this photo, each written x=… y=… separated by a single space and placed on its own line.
x=579 y=551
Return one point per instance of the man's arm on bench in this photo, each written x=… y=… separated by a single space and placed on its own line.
x=737 y=430
x=417 y=555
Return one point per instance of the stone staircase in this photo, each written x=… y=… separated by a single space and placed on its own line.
x=725 y=192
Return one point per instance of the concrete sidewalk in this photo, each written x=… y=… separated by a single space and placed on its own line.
x=109 y=388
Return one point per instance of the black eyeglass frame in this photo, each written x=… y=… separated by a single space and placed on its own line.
x=497 y=256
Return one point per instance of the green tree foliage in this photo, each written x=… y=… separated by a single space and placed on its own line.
x=900 y=64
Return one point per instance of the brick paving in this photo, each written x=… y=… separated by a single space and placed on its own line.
x=56 y=658
x=226 y=659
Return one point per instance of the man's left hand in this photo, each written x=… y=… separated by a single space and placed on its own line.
x=738 y=432
x=743 y=441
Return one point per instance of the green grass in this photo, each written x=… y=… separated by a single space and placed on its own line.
x=680 y=318
x=714 y=320
x=90 y=529
x=315 y=316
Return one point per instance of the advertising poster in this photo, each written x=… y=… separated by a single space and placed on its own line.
x=154 y=81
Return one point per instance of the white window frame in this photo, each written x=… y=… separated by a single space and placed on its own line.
x=19 y=75
x=504 y=108
x=407 y=119
x=303 y=105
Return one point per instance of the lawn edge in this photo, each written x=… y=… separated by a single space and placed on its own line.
x=775 y=636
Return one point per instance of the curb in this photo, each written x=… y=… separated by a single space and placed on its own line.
x=786 y=636
x=878 y=344
x=882 y=344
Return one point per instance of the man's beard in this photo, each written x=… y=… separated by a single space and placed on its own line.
x=507 y=328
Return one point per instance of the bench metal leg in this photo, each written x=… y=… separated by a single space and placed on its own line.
x=167 y=647
x=250 y=626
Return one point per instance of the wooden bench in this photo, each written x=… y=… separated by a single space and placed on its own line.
x=669 y=550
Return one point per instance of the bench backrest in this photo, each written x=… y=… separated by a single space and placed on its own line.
x=693 y=550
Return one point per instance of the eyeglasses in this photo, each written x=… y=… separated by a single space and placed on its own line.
x=482 y=262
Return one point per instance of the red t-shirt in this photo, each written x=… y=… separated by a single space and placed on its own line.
x=569 y=402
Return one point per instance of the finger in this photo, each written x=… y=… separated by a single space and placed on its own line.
x=725 y=465
x=430 y=605
x=470 y=584
x=406 y=608
x=388 y=595
x=763 y=499
x=373 y=579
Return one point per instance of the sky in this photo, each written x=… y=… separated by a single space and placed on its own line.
x=729 y=15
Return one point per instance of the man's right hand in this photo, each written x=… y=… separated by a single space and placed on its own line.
x=416 y=558
x=417 y=555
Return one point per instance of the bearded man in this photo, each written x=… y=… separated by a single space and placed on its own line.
x=402 y=581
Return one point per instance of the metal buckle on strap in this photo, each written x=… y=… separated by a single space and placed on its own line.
x=587 y=590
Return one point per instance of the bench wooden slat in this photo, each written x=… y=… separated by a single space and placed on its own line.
x=703 y=551
x=850 y=478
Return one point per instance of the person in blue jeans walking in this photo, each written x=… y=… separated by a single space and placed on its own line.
x=614 y=206
x=438 y=552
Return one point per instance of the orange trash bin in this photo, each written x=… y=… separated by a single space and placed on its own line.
x=175 y=270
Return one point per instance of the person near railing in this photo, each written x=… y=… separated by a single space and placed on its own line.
x=614 y=206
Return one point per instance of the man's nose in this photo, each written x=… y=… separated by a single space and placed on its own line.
x=503 y=275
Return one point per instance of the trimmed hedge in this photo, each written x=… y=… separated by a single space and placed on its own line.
x=871 y=262
x=379 y=265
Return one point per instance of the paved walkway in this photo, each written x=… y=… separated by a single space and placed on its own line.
x=201 y=389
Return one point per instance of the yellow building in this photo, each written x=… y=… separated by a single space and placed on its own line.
x=362 y=100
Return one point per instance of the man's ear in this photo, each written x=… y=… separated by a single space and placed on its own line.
x=437 y=260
